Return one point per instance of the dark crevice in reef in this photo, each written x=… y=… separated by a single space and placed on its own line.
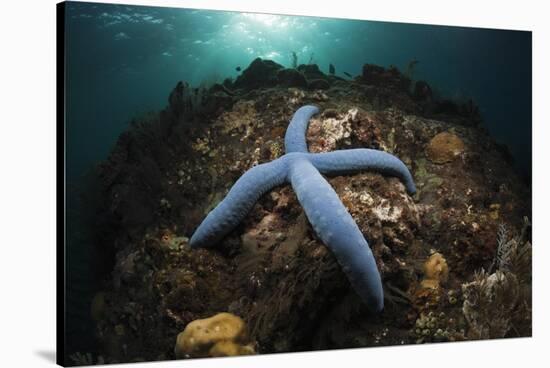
x=169 y=169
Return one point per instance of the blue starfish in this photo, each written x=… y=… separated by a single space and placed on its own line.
x=324 y=210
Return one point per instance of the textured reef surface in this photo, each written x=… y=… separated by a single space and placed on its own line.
x=454 y=259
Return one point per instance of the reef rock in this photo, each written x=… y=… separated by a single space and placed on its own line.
x=389 y=78
x=318 y=84
x=260 y=73
x=422 y=92
x=291 y=78
x=311 y=71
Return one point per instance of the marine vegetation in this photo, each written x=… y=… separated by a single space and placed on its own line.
x=294 y=62
x=326 y=213
x=411 y=68
x=499 y=303
x=277 y=267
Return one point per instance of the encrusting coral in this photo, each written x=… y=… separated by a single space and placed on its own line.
x=221 y=335
x=444 y=147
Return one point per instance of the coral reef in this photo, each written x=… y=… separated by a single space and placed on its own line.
x=273 y=270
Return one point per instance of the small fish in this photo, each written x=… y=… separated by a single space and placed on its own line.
x=348 y=74
x=238 y=68
x=331 y=69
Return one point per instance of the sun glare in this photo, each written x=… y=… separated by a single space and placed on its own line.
x=268 y=20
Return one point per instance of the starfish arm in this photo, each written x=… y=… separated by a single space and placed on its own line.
x=335 y=226
x=347 y=161
x=238 y=202
x=295 y=137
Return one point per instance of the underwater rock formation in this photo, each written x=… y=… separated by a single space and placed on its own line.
x=170 y=169
x=318 y=84
x=291 y=78
x=260 y=73
x=266 y=73
x=311 y=71
x=422 y=92
x=389 y=78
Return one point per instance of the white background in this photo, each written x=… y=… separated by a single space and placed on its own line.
x=27 y=182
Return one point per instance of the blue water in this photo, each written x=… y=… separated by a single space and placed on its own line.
x=123 y=61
